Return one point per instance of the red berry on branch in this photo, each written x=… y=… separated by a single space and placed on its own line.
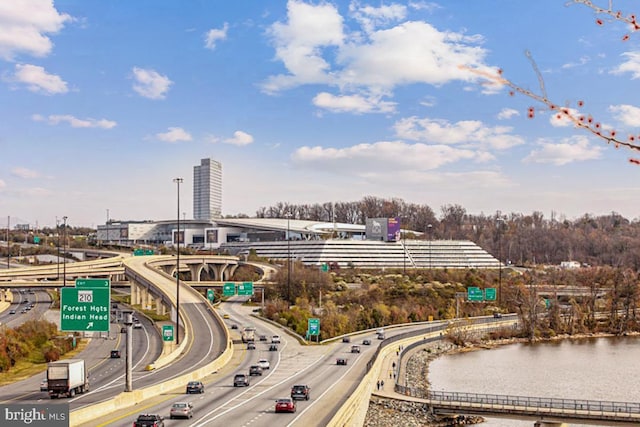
x=625 y=38
x=599 y=22
x=580 y=103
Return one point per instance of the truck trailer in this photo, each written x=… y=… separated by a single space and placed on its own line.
x=67 y=378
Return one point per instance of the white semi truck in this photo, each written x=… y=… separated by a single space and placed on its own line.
x=67 y=378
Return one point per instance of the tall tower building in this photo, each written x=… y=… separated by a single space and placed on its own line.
x=207 y=190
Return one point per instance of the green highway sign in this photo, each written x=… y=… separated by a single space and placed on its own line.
x=313 y=326
x=490 y=294
x=167 y=332
x=245 y=288
x=36 y=239
x=211 y=296
x=84 y=309
x=324 y=267
x=138 y=252
x=93 y=283
x=474 y=294
x=229 y=289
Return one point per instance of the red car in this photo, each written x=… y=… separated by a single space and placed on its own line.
x=285 y=405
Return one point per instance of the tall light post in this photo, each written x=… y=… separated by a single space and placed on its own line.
x=404 y=250
x=8 y=245
x=288 y=215
x=64 y=253
x=429 y=230
x=106 y=239
x=58 y=244
x=500 y=224
x=178 y=181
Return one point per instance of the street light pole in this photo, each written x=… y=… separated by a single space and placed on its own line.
x=178 y=181
x=499 y=224
x=288 y=215
x=8 y=245
x=106 y=239
x=58 y=238
x=429 y=229
x=64 y=243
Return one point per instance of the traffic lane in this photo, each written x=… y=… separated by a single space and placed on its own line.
x=108 y=377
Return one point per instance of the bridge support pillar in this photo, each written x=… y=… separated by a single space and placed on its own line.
x=195 y=270
x=160 y=308
x=548 y=424
x=135 y=293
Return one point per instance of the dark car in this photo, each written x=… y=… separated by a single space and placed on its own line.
x=366 y=342
x=285 y=405
x=241 y=380
x=251 y=345
x=346 y=339
x=341 y=361
x=115 y=354
x=497 y=315
x=263 y=337
x=234 y=326
x=273 y=347
x=149 y=420
x=300 y=391
x=255 y=370
x=195 y=387
x=355 y=349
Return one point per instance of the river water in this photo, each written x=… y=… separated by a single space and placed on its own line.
x=590 y=368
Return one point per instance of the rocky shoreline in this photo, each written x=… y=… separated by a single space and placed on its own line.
x=383 y=412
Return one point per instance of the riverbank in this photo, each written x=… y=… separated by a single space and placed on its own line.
x=388 y=411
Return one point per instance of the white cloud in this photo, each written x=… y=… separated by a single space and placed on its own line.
x=411 y=52
x=371 y=17
x=174 y=134
x=561 y=120
x=150 y=83
x=240 y=138
x=627 y=114
x=569 y=150
x=507 y=113
x=466 y=133
x=75 y=122
x=632 y=65
x=299 y=41
x=214 y=35
x=352 y=103
x=38 y=80
x=25 y=173
x=363 y=159
x=582 y=61
x=25 y=27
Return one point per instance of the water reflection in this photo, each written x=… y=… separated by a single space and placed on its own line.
x=590 y=368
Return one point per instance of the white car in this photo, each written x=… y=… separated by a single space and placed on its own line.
x=275 y=339
x=137 y=325
x=264 y=364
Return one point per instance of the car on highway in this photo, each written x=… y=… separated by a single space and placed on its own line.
x=355 y=349
x=195 y=387
x=44 y=385
x=301 y=392
x=251 y=345
x=285 y=405
x=12 y=311
x=181 y=410
x=255 y=370
x=234 y=326
x=273 y=347
x=264 y=364
x=241 y=380
x=341 y=361
x=346 y=339
x=497 y=315
x=366 y=342
x=263 y=337
x=275 y=339
x=226 y=316
x=149 y=420
x=380 y=335
x=137 y=325
x=115 y=354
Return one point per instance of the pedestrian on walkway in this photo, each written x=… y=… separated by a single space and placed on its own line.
x=390 y=374
x=378 y=384
x=382 y=384
x=393 y=365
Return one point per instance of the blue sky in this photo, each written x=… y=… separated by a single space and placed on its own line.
x=103 y=103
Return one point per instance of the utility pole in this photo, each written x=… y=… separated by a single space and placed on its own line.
x=178 y=181
x=288 y=215
x=64 y=260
